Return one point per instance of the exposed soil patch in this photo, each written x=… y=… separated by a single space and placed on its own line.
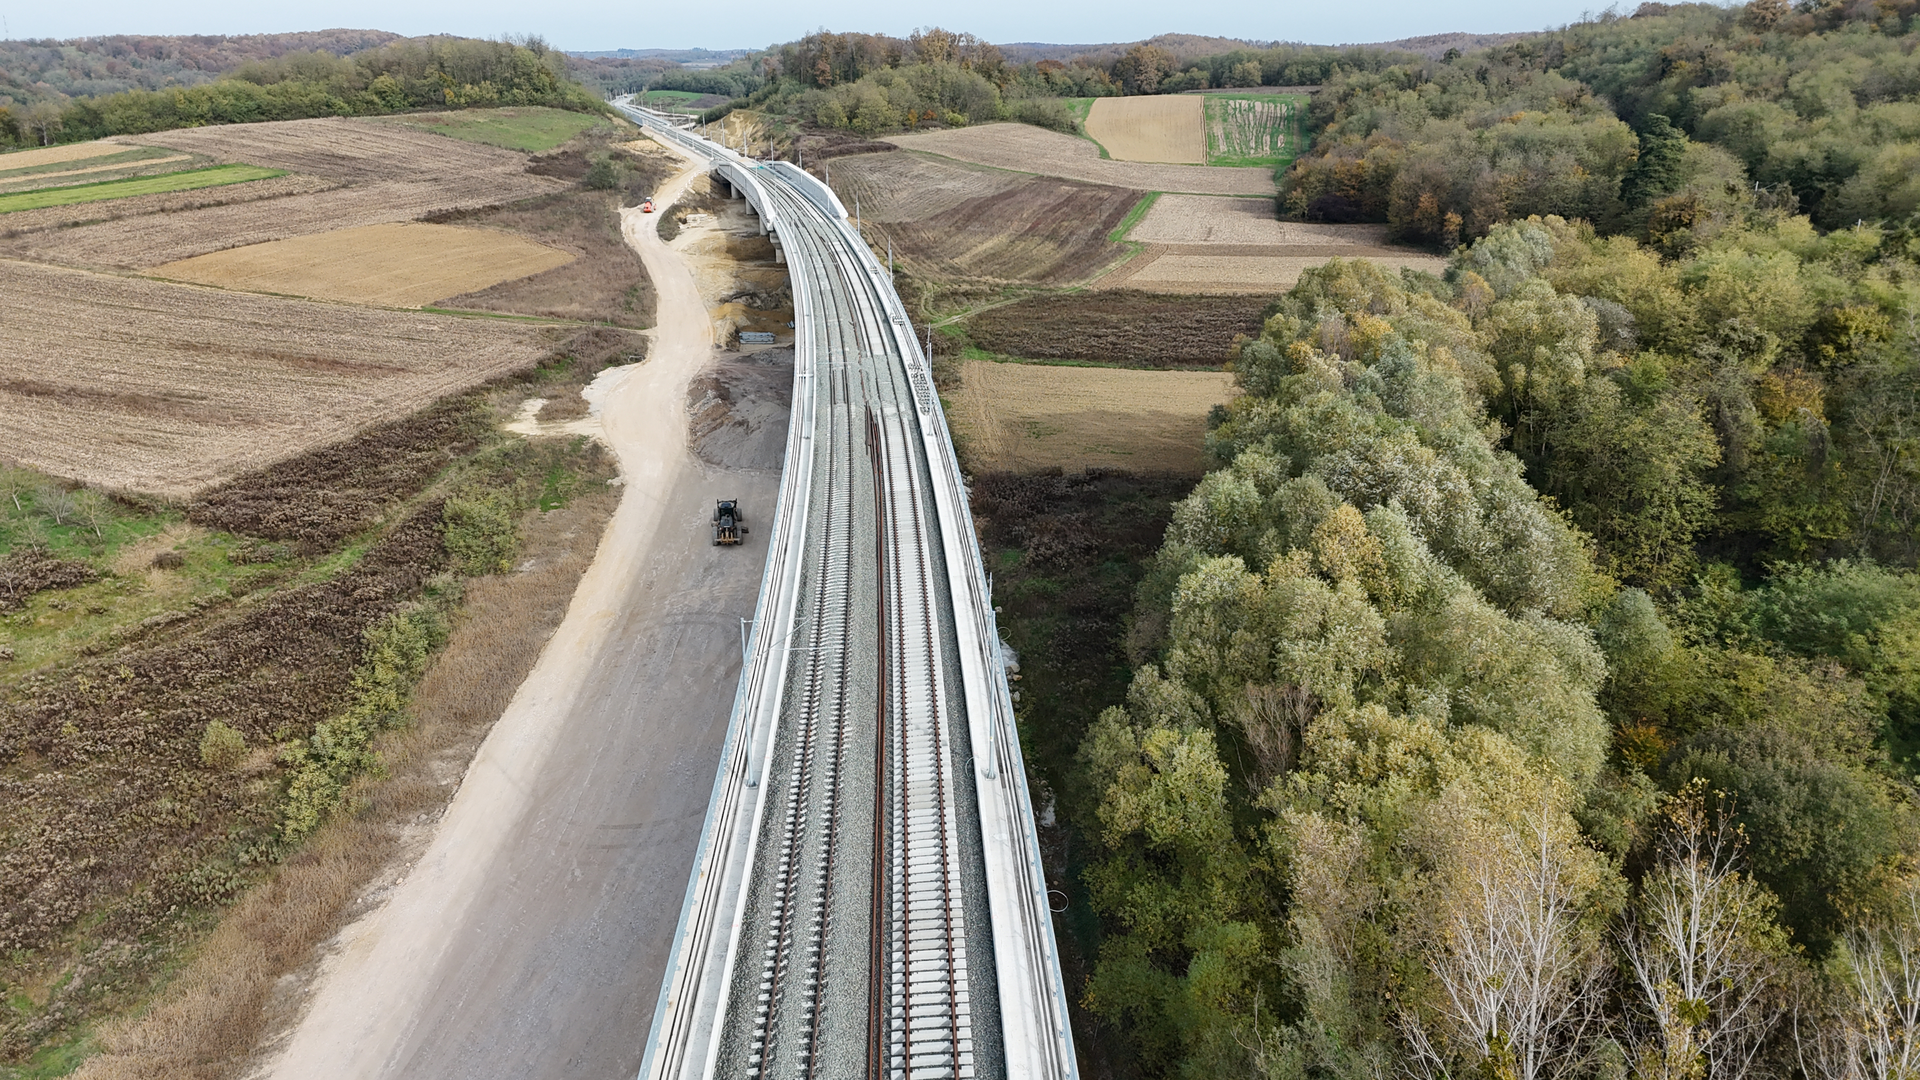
x=955 y=223
x=737 y=410
x=1048 y=232
x=1255 y=270
x=894 y=188
x=1213 y=219
x=1131 y=328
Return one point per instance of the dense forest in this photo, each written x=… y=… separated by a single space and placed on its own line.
x=403 y=74
x=33 y=71
x=1662 y=125
x=1532 y=690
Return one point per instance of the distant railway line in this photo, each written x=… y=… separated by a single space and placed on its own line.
x=868 y=898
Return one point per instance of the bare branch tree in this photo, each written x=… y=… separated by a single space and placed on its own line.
x=56 y=502
x=1703 y=950
x=1520 y=980
x=91 y=509
x=1872 y=1031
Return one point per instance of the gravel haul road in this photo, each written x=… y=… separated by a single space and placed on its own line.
x=530 y=940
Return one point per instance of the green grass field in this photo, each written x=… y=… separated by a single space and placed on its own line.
x=1255 y=129
x=186 y=180
x=530 y=128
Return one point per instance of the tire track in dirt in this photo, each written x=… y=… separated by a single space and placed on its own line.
x=530 y=938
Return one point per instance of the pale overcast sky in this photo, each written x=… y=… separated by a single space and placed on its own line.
x=722 y=24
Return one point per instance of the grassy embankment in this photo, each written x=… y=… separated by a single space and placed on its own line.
x=206 y=740
x=187 y=180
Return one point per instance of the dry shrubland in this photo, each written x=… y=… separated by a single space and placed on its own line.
x=214 y=1013
x=122 y=831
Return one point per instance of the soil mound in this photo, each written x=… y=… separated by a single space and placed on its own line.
x=737 y=410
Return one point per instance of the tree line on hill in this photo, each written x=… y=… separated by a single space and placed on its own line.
x=1533 y=690
x=43 y=70
x=406 y=74
x=1663 y=125
x=875 y=84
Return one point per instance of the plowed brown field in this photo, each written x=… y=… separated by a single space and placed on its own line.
x=397 y=265
x=894 y=187
x=1028 y=149
x=1023 y=417
x=957 y=223
x=165 y=389
x=1169 y=128
x=374 y=173
x=1119 y=327
x=1205 y=219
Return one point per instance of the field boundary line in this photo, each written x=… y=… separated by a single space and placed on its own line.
x=1134 y=217
x=33 y=199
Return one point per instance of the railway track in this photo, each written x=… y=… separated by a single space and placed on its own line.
x=849 y=838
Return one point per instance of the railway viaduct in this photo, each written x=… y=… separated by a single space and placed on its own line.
x=867 y=899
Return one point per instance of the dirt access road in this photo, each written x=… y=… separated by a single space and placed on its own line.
x=529 y=941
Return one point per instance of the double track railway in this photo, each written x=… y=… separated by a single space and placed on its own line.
x=867 y=902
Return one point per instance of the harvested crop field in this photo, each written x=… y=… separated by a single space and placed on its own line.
x=895 y=187
x=952 y=222
x=1024 y=148
x=351 y=172
x=1231 y=269
x=1170 y=128
x=395 y=265
x=1025 y=417
x=605 y=281
x=1211 y=219
x=166 y=389
x=1120 y=327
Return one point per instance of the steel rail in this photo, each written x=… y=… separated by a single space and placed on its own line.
x=837 y=278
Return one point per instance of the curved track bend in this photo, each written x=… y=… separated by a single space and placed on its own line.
x=868 y=899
